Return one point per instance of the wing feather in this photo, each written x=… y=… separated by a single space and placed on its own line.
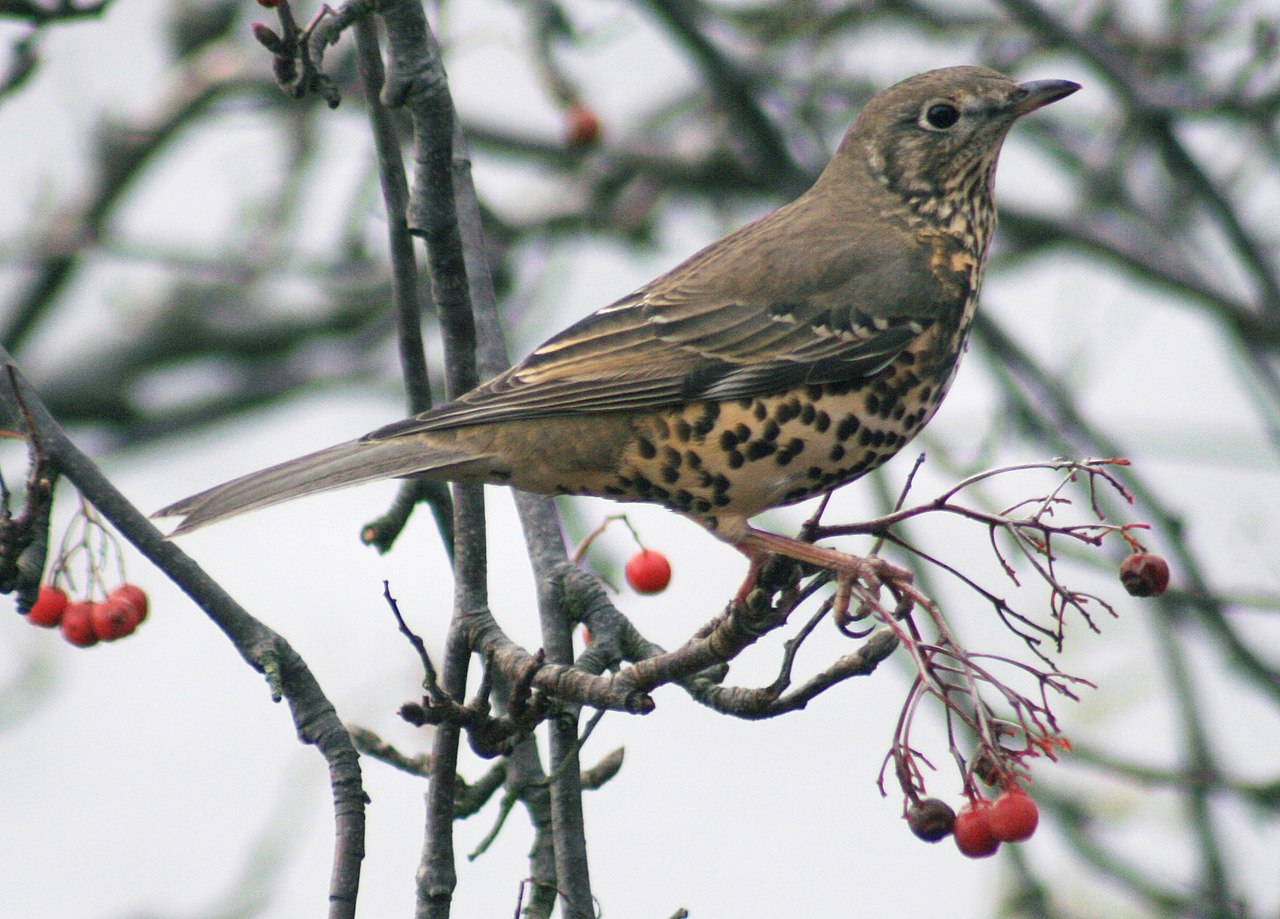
x=801 y=302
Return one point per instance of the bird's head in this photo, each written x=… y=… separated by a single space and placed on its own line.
x=938 y=133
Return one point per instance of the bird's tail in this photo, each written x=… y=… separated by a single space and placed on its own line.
x=350 y=463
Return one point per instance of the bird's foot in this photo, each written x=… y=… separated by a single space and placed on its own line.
x=855 y=575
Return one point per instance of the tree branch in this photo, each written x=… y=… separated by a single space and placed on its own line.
x=263 y=649
x=416 y=80
x=405 y=301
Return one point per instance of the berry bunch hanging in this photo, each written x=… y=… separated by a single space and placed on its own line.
x=99 y=613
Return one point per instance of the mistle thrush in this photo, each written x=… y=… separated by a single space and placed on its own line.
x=788 y=358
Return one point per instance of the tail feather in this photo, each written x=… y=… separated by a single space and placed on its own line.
x=351 y=463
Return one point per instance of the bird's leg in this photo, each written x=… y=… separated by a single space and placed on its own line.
x=872 y=571
x=754 y=564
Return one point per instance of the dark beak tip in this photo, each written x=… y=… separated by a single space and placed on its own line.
x=1039 y=93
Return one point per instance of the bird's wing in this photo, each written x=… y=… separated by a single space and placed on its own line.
x=737 y=320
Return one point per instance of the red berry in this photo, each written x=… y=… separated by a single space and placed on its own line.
x=931 y=819
x=77 y=624
x=48 y=608
x=1144 y=574
x=973 y=830
x=648 y=572
x=581 y=126
x=135 y=595
x=1013 y=816
x=114 y=617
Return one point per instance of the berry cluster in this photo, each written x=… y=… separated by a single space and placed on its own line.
x=84 y=623
x=981 y=825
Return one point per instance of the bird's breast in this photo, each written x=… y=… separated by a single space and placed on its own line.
x=743 y=456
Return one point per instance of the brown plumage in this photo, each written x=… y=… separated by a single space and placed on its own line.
x=788 y=358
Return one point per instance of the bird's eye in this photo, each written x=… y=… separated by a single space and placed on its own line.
x=941 y=115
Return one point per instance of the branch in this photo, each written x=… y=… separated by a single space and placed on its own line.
x=125 y=151
x=266 y=651
x=734 y=88
x=1158 y=118
x=416 y=80
x=405 y=301
x=1050 y=408
x=61 y=11
x=768 y=702
x=546 y=545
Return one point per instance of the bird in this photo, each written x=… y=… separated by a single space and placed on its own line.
x=786 y=359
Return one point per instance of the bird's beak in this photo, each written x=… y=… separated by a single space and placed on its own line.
x=1039 y=93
